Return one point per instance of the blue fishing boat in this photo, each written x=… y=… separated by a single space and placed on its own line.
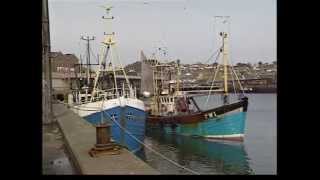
x=112 y=101
x=175 y=110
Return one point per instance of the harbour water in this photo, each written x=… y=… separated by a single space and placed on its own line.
x=256 y=155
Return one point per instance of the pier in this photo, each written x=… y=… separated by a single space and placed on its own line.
x=80 y=137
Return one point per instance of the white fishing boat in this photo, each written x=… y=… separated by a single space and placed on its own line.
x=111 y=100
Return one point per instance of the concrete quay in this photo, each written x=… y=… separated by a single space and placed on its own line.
x=55 y=159
x=80 y=137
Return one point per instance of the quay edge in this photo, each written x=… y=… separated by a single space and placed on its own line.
x=80 y=138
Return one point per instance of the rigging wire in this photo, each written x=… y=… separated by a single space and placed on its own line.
x=238 y=80
x=233 y=71
x=214 y=78
x=234 y=87
x=111 y=118
x=145 y=145
x=123 y=70
x=209 y=96
x=217 y=51
x=90 y=50
x=114 y=71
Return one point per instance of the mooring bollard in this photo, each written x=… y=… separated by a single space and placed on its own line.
x=104 y=144
x=103 y=134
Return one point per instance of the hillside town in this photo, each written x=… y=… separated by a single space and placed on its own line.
x=202 y=73
x=256 y=78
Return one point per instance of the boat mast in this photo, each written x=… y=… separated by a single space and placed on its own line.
x=108 y=41
x=178 y=78
x=80 y=69
x=155 y=90
x=88 y=57
x=225 y=55
x=225 y=61
x=156 y=99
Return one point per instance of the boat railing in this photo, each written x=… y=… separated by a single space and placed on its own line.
x=112 y=93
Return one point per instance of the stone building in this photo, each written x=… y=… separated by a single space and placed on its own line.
x=64 y=62
x=63 y=66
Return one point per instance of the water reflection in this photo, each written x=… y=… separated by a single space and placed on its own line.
x=203 y=156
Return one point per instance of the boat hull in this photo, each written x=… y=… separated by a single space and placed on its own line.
x=127 y=114
x=226 y=122
x=227 y=127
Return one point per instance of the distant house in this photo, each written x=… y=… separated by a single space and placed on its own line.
x=62 y=66
x=63 y=62
x=209 y=67
x=133 y=69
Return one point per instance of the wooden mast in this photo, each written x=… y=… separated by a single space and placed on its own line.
x=225 y=55
x=225 y=61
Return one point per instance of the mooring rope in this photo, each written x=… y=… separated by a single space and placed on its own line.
x=151 y=149
x=131 y=135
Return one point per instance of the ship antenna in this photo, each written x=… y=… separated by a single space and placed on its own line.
x=107 y=8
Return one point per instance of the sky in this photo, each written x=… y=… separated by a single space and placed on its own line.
x=185 y=27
